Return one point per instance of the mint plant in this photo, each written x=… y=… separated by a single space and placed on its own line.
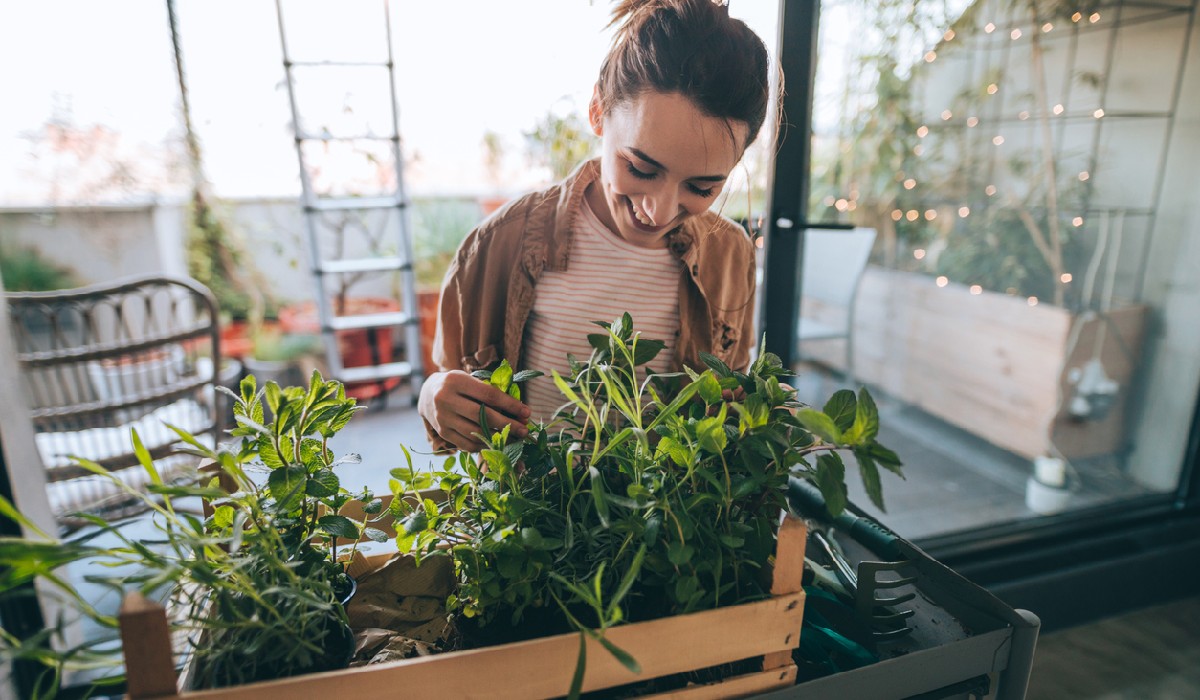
x=650 y=496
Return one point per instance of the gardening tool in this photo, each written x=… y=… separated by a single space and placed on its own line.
x=887 y=622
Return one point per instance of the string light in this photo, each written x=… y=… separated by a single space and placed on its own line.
x=972 y=121
x=922 y=131
x=1058 y=109
x=946 y=114
x=930 y=56
x=1076 y=17
x=1047 y=27
x=897 y=215
x=993 y=89
x=919 y=254
x=852 y=205
x=949 y=35
x=1033 y=301
x=998 y=139
x=910 y=183
x=1066 y=277
x=758 y=242
x=1094 y=18
x=918 y=149
x=1077 y=221
x=841 y=205
x=1098 y=113
x=942 y=281
x=964 y=212
x=989 y=28
x=1083 y=176
x=1015 y=34
x=930 y=214
x=976 y=289
x=990 y=190
x=828 y=201
x=912 y=215
x=1023 y=115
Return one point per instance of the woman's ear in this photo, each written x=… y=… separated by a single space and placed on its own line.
x=595 y=113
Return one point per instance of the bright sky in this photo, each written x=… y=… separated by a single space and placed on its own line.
x=464 y=67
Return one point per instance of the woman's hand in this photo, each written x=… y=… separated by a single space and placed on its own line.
x=450 y=401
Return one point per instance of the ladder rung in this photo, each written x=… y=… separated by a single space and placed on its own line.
x=392 y=318
x=374 y=372
x=346 y=203
x=349 y=137
x=363 y=265
x=319 y=64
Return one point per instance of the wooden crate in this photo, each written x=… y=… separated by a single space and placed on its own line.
x=538 y=668
x=988 y=363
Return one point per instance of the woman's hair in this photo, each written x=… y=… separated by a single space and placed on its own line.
x=690 y=47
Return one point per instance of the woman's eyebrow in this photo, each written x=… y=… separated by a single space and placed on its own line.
x=660 y=166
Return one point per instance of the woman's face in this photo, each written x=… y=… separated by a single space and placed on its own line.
x=662 y=162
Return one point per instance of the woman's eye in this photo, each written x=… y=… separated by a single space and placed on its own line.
x=640 y=174
x=701 y=191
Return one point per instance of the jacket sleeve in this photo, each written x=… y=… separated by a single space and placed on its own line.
x=740 y=358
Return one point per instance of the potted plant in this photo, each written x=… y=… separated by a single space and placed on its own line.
x=260 y=583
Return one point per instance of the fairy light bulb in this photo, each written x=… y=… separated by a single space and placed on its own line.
x=910 y=183
x=918 y=150
x=942 y=281
x=897 y=215
x=1098 y=113
x=972 y=122
x=828 y=201
x=946 y=114
x=1032 y=301
x=930 y=214
x=1023 y=115
x=990 y=190
x=989 y=28
x=930 y=56
x=964 y=212
x=1084 y=176
x=949 y=35
x=1077 y=221
x=998 y=139
x=993 y=89
x=919 y=253
x=922 y=131
x=1094 y=18
x=1047 y=28
x=1077 y=16
x=1015 y=34
x=912 y=215
x=1066 y=277
x=976 y=289
x=841 y=205
x=1058 y=109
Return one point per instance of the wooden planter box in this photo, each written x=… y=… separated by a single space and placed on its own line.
x=539 y=668
x=988 y=363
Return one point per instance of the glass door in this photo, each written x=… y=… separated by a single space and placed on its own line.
x=1026 y=318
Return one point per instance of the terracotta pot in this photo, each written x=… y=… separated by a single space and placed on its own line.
x=359 y=347
x=235 y=340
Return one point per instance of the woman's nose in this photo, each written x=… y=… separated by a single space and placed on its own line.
x=660 y=206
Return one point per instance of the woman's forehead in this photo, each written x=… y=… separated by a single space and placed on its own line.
x=674 y=132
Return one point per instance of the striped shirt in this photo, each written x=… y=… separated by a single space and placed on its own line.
x=606 y=277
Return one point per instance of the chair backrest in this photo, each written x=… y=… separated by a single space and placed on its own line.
x=834 y=261
x=100 y=360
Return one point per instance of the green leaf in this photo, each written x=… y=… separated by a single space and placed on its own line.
x=870 y=478
x=598 y=494
x=375 y=534
x=679 y=553
x=322 y=484
x=339 y=526
x=620 y=654
x=678 y=454
x=286 y=485
x=886 y=458
x=820 y=425
x=646 y=350
x=841 y=408
x=374 y=507
x=830 y=478
x=526 y=374
x=709 y=389
x=710 y=433
x=866 y=421
x=580 y=667
x=716 y=364
x=502 y=376
x=415 y=523
x=599 y=341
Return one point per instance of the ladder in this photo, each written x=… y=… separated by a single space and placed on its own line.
x=383 y=372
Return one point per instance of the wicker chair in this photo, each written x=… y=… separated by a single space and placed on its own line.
x=101 y=360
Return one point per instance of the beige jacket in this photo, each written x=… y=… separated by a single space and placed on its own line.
x=490 y=286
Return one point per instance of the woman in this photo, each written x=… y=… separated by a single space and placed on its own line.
x=681 y=95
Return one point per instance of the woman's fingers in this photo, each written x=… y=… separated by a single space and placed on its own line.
x=451 y=401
